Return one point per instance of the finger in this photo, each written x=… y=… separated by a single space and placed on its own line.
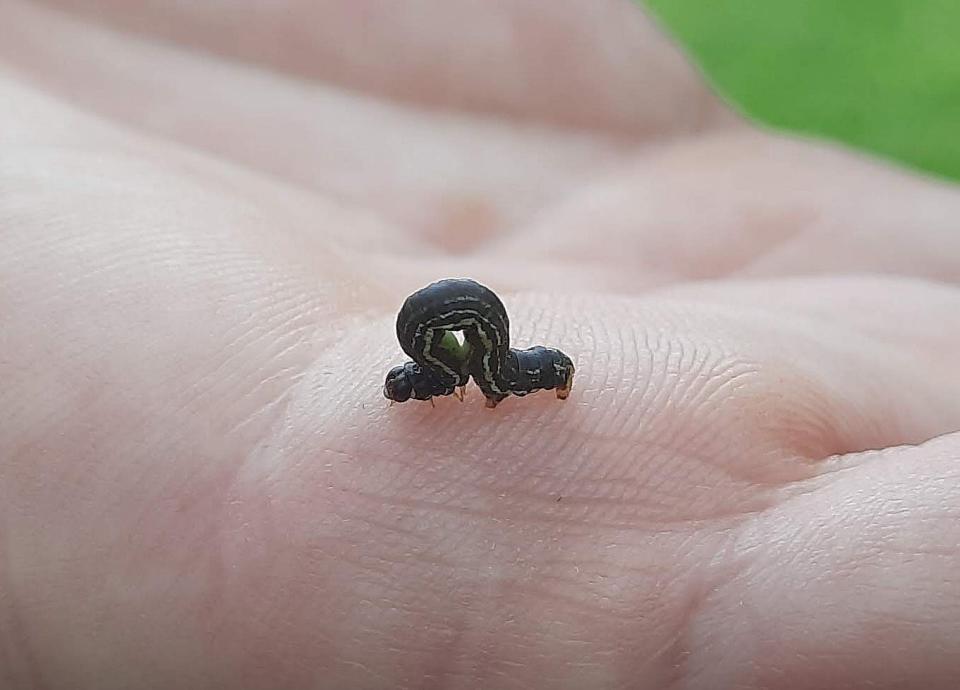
x=449 y=180
x=602 y=65
x=915 y=316
x=752 y=204
x=854 y=585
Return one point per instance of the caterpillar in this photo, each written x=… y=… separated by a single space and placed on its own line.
x=442 y=365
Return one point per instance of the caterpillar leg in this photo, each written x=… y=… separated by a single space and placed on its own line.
x=563 y=390
x=494 y=399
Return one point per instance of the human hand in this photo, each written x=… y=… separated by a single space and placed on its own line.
x=209 y=215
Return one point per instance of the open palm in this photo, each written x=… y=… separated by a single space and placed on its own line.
x=209 y=215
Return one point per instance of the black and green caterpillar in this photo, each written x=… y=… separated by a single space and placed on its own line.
x=442 y=364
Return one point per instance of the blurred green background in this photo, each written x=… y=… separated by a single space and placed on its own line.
x=881 y=75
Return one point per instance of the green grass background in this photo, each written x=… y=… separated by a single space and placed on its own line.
x=881 y=75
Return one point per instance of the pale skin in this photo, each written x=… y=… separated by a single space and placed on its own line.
x=209 y=216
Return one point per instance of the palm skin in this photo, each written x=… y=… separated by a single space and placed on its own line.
x=209 y=217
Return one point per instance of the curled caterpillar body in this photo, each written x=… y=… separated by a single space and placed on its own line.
x=441 y=364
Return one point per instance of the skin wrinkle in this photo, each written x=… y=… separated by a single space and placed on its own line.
x=16 y=644
x=461 y=627
x=690 y=440
x=551 y=512
x=801 y=329
x=576 y=443
x=710 y=412
x=677 y=652
x=648 y=441
x=287 y=376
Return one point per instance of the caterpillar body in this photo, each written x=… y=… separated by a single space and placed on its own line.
x=441 y=364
